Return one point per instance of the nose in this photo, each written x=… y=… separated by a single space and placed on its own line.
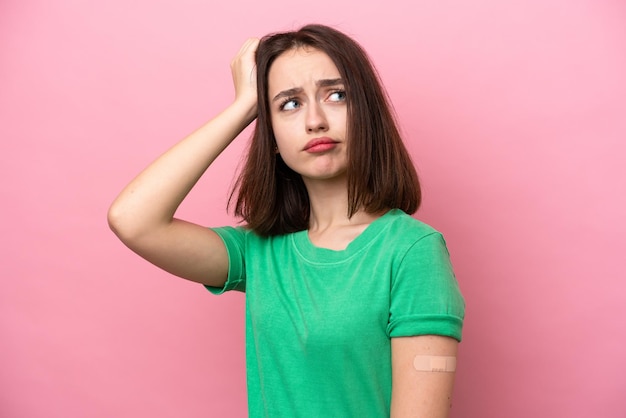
x=315 y=118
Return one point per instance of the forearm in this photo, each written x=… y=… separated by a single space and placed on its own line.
x=151 y=199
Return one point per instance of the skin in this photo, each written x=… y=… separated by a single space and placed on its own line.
x=418 y=393
x=142 y=216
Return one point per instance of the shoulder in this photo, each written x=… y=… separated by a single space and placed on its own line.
x=232 y=234
x=406 y=228
x=409 y=240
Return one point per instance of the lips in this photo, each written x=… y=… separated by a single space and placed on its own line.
x=320 y=144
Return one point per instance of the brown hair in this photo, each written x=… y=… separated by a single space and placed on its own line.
x=272 y=198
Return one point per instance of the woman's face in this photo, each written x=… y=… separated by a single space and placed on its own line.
x=308 y=110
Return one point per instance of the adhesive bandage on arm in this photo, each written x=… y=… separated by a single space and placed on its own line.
x=434 y=363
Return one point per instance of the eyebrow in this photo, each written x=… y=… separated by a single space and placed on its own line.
x=296 y=90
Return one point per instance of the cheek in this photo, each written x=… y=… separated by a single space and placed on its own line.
x=278 y=130
x=284 y=130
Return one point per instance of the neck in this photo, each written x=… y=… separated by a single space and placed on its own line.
x=329 y=205
x=329 y=225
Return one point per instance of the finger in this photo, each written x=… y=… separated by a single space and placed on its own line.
x=249 y=46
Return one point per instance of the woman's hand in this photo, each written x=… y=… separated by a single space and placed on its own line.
x=243 y=70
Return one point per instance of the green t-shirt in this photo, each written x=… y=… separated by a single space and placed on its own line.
x=319 y=322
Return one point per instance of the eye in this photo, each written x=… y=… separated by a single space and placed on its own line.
x=337 y=96
x=289 y=104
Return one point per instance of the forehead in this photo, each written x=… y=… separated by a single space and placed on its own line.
x=300 y=67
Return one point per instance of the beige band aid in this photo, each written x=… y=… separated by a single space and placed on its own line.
x=434 y=363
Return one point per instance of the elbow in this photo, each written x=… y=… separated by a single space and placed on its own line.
x=120 y=223
x=131 y=224
x=115 y=219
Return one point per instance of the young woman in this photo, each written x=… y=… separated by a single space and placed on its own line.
x=352 y=307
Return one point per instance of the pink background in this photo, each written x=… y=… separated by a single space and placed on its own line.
x=514 y=112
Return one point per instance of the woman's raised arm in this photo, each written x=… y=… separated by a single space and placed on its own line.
x=142 y=216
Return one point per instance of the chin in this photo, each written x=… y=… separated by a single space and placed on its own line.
x=339 y=175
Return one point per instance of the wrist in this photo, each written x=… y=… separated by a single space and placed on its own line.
x=246 y=106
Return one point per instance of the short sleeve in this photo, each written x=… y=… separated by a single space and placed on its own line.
x=234 y=240
x=425 y=295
